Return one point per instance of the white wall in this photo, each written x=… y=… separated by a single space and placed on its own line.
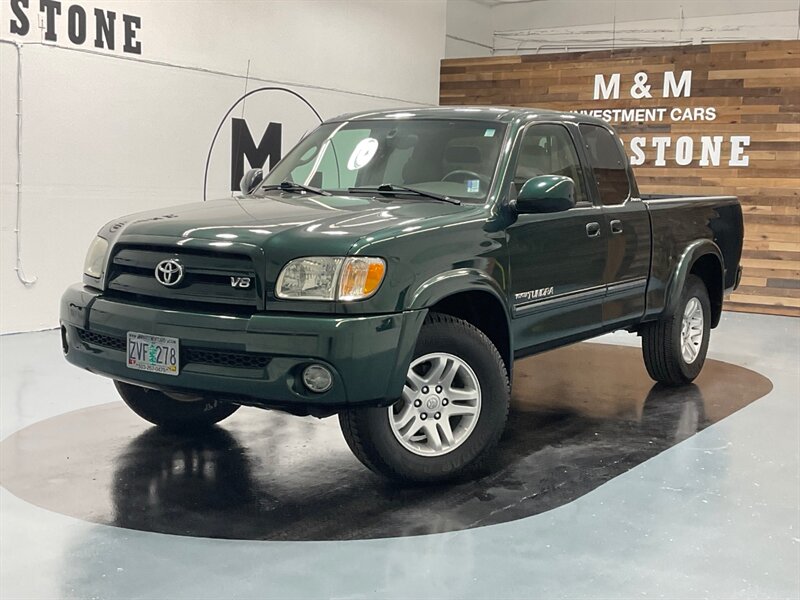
x=579 y=25
x=107 y=133
x=469 y=29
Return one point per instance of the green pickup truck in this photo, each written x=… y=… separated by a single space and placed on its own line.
x=390 y=269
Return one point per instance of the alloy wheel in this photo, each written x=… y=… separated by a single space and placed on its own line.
x=692 y=330
x=439 y=407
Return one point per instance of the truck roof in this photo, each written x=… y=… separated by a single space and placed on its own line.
x=502 y=114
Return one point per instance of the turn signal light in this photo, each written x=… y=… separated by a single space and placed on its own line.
x=361 y=277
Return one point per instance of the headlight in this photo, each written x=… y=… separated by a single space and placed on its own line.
x=330 y=278
x=312 y=278
x=95 y=258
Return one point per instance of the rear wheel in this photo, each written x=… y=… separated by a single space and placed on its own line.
x=451 y=413
x=161 y=410
x=675 y=347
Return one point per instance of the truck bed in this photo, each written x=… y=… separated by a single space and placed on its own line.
x=677 y=220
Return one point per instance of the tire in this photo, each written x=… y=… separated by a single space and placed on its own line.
x=472 y=372
x=166 y=412
x=663 y=340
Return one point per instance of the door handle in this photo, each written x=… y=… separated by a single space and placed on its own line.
x=593 y=230
x=616 y=226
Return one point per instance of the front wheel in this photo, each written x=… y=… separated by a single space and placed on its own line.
x=451 y=413
x=161 y=410
x=675 y=347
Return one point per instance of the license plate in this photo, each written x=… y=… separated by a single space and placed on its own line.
x=153 y=353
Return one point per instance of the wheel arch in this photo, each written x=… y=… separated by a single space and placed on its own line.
x=475 y=297
x=702 y=258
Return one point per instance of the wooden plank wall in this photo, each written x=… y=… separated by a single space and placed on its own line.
x=755 y=88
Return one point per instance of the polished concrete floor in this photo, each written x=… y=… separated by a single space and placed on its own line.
x=604 y=486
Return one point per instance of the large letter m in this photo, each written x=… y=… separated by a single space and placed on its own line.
x=606 y=90
x=242 y=145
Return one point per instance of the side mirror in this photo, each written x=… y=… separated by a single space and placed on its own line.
x=546 y=194
x=251 y=180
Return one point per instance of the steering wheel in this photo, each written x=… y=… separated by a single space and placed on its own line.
x=481 y=178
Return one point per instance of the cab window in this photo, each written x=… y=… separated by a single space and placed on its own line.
x=608 y=164
x=548 y=150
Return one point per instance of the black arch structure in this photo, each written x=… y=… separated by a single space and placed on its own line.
x=231 y=109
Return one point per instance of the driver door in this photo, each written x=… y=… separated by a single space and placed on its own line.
x=556 y=260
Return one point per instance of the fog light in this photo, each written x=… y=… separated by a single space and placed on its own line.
x=317 y=378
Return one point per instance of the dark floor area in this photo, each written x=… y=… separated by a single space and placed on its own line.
x=581 y=416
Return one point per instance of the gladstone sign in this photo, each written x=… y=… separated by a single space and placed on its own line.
x=705 y=150
x=97 y=27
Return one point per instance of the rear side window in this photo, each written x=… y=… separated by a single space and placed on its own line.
x=608 y=164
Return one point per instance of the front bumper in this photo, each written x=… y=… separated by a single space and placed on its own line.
x=256 y=360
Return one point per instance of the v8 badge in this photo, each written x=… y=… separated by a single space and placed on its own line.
x=240 y=282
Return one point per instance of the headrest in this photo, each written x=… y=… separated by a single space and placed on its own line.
x=463 y=155
x=533 y=150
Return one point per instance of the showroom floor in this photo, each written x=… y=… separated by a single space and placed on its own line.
x=604 y=486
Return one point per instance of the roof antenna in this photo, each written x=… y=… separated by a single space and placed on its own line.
x=246 y=81
x=614 y=28
x=244 y=101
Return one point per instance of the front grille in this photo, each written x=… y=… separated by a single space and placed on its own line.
x=188 y=354
x=241 y=360
x=209 y=277
x=98 y=339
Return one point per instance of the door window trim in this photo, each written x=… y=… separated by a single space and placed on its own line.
x=574 y=136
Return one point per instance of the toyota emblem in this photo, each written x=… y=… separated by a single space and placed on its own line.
x=169 y=272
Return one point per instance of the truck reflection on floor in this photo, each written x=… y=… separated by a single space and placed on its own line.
x=581 y=416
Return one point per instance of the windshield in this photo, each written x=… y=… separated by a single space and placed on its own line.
x=447 y=157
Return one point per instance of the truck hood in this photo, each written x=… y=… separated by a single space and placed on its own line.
x=315 y=224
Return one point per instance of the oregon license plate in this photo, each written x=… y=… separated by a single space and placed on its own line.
x=153 y=353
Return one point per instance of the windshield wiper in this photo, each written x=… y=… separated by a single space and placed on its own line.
x=291 y=186
x=391 y=188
